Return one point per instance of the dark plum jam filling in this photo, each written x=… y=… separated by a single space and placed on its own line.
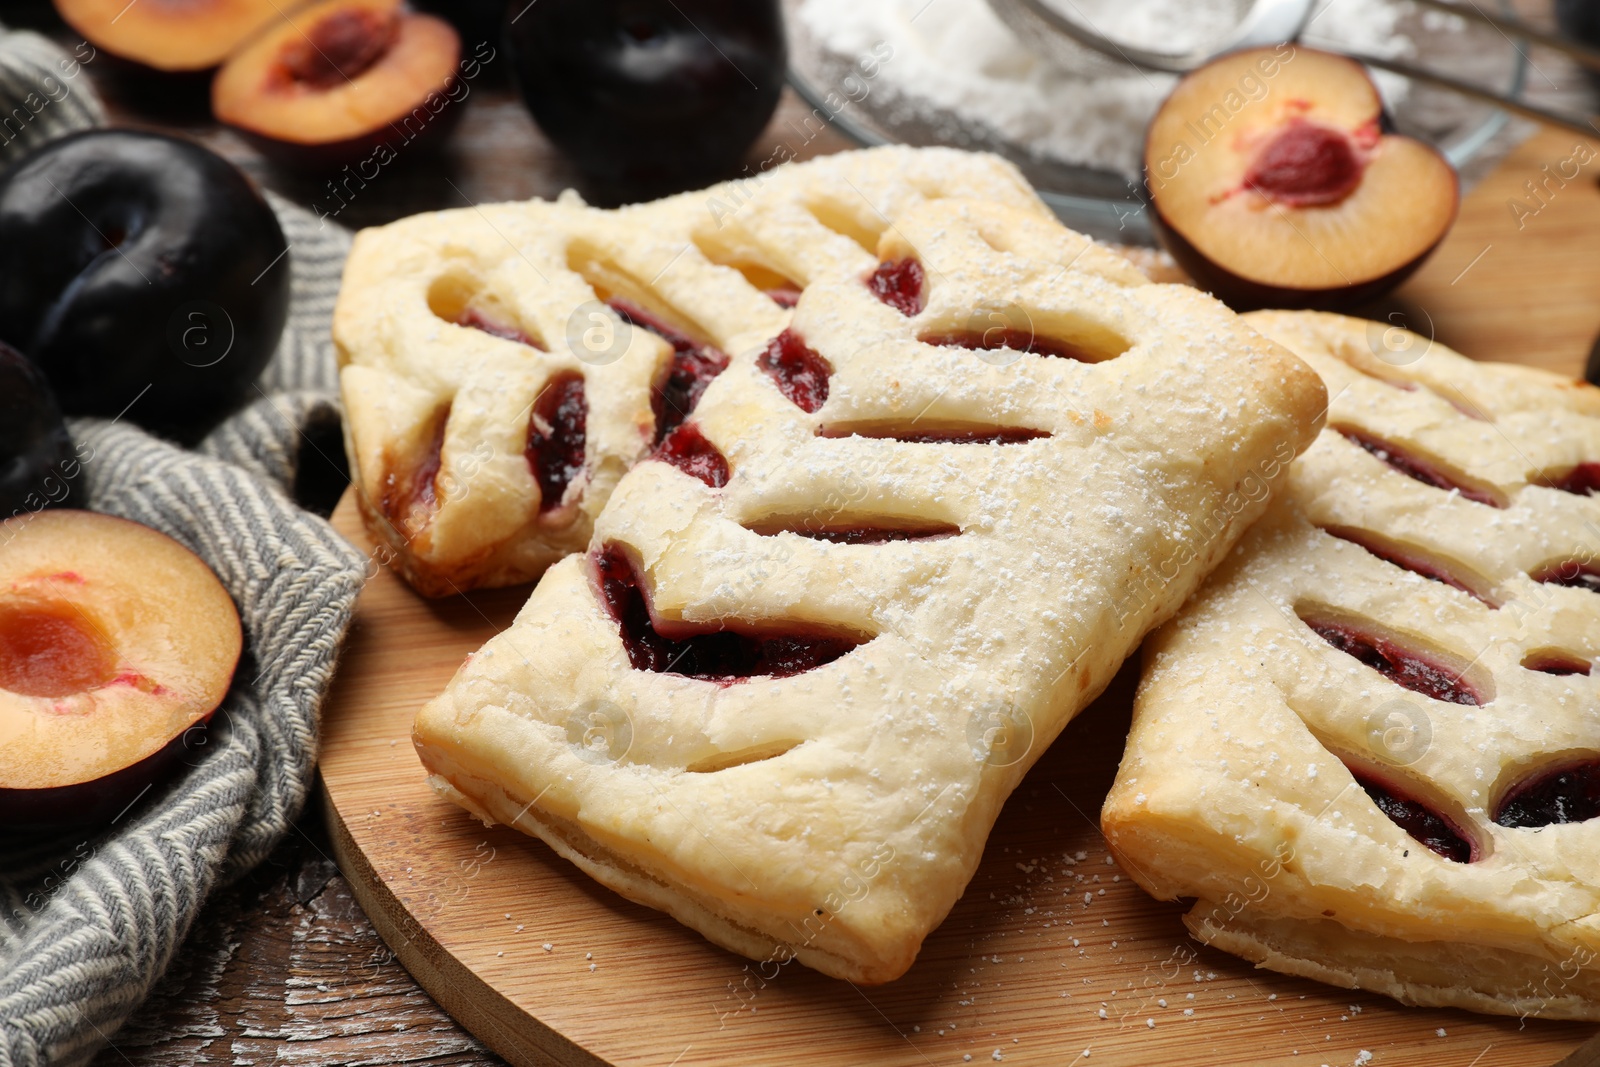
x=423 y=489
x=1553 y=797
x=723 y=655
x=1581 y=480
x=1413 y=562
x=693 y=366
x=1009 y=337
x=1306 y=165
x=556 y=437
x=785 y=296
x=1400 y=665
x=410 y=497
x=858 y=533
x=800 y=373
x=1417 y=468
x=1424 y=824
x=1574 y=574
x=687 y=449
x=477 y=320
x=898 y=283
x=974 y=435
x=1561 y=663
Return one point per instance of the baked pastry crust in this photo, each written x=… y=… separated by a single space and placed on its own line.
x=438 y=413
x=835 y=814
x=1238 y=786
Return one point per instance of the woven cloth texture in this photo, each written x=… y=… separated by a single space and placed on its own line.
x=90 y=920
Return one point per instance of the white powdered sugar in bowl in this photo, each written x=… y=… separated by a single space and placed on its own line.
x=956 y=59
x=1170 y=25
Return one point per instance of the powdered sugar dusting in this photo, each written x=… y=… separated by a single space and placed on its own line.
x=956 y=58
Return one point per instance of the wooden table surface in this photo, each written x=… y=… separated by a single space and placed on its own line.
x=283 y=967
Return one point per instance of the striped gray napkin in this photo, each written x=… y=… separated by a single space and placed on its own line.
x=90 y=920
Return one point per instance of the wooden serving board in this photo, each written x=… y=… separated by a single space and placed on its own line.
x=1052 y=957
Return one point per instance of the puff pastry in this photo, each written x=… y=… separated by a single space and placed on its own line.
x=819 y=640
x=503 y=365
x=1369 y=747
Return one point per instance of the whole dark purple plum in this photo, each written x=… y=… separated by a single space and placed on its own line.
x=143 y=273
x=644 y=98
x=38 y=464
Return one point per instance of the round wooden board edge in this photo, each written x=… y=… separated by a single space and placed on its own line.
x=512 y=1033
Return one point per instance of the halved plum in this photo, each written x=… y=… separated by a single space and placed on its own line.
x=1274 y=183
x=169 y=35
x=116 y=644
x=335 y=80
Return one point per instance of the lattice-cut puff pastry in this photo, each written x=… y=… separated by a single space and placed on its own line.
x=1370 y=747
x=504 y=365
x=813 y=648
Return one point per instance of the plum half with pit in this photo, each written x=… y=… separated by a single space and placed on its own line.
x=37 y=458
x=169 y=36
x=344 y=81
x=117 y=645
x=1275 y=183
x=645 y=99
x=144 y=274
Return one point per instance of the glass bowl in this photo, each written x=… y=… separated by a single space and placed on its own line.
x=864 y=92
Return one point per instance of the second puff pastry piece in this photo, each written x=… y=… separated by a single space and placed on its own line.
x=1370 y=747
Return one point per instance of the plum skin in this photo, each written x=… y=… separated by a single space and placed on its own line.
x=1580 y=19
x=37 y=456
x=65 y=794
x=133 y=260
x=98 y=801
x=1244 y=294
x=638 y=96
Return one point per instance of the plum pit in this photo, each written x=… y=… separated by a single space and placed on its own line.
x=1306 y=165
x=52 y=650
x=338 y=48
